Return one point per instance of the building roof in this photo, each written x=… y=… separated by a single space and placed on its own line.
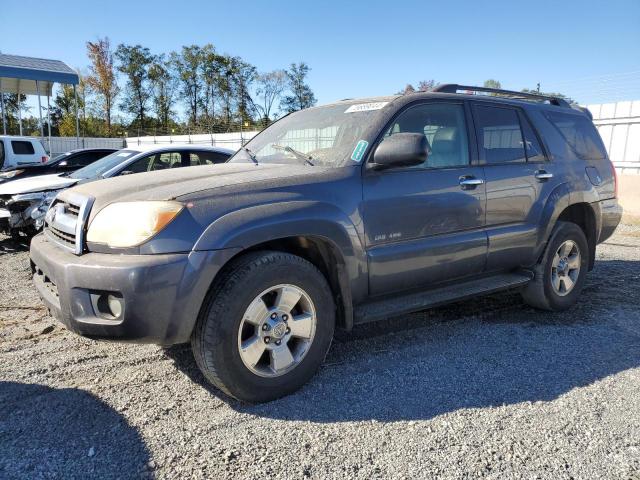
x=19 y=73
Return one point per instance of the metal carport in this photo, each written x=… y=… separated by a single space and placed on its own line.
x=34 y=76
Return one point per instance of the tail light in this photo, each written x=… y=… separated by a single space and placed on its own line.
x=44 y=159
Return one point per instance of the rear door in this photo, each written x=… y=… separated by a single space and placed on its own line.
x=425 y=224
x=519 y=179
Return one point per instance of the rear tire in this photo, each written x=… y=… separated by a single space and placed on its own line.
x=561 y=272
x=263 y=299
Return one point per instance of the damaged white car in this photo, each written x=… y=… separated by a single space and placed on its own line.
x=24 y=202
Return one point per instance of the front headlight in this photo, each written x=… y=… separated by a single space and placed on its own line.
x=128 y=224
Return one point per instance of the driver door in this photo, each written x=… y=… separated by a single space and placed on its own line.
x=425 y=224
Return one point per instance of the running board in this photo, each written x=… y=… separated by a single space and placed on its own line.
x=380 y=309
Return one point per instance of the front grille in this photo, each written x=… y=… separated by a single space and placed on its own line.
x=64 y=221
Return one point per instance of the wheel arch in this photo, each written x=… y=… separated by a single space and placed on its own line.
x=317 y=232
x=583 y=215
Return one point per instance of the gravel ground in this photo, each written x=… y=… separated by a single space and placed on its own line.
x=488 y=388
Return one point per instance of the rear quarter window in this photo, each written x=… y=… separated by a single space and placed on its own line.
x=22 y=148
x=579 y=133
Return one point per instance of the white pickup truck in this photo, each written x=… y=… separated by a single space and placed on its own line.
x=16 y=151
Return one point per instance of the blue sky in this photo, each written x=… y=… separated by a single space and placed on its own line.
x=588 y=49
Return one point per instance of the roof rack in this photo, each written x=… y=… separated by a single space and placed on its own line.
x=454 y=88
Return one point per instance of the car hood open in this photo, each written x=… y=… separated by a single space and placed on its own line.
x=36 y=184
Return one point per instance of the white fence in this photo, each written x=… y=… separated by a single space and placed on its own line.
x=64 y=144
x=619 y=127
x=232 y=141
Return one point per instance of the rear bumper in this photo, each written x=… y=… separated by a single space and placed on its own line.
x=160 y=295
x=610 y=214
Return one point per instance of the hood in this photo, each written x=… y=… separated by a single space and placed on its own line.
x=172 y=184
x=36 y=184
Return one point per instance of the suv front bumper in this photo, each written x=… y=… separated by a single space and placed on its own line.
x=160 y=295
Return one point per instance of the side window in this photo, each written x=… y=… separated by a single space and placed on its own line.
x=1 y=153
x=206 y=158
x=22 y=148
x=157 y=161
x=499 y=135
x=445 y=128
x=580 y=133
x=140 y=165
x=532 y=146
x=82 y=160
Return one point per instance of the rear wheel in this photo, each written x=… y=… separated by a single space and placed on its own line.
x=561 y=272
x=266 y=327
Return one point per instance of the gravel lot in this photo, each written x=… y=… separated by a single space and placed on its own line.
x=487 y=388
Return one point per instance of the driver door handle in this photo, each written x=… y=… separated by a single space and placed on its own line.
x=470 y=182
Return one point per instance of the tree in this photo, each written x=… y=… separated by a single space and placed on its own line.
x=427 y=85
x=270 y=88
x=491 y=83
x=102 y=78
x=211 y=68
x=407 y=90
x=63 y=113
x=11 y=105
x=244 y=76
x=188 y=64
x=550 y=94
x=301 y=96
x=134 y=63
x=163 y=85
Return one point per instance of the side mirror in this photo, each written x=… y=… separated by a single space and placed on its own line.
x=401 y=150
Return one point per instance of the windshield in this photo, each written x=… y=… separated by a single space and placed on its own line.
x=104 y=164
x=57 y=158
x=325 y=136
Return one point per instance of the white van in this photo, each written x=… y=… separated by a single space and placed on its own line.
x=16 y=151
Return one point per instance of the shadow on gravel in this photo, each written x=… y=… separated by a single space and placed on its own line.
x=65 y=433
x=481 y=353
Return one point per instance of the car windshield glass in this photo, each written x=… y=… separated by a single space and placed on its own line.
x=325 y=136
x=104 y=164
x=57 y=158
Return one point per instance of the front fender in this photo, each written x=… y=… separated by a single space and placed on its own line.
x=258 y=224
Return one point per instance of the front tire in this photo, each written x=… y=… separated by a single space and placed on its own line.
x=266 y=326
x=560 y=274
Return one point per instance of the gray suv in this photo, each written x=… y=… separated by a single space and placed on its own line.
x=333 y=216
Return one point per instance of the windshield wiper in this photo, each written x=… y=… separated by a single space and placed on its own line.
x=252 y=155
x=302 y=156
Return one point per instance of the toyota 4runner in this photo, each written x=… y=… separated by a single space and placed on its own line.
x=333 y=216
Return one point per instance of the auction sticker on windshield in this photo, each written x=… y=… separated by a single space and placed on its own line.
x=365 y=107
x=358 y=152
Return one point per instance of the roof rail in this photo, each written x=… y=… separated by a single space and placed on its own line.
x=454 y=88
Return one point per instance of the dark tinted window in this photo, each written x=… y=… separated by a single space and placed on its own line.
x=499 y=135
x=580 y=134
x=83 y=159
x=22 y=148
x=532 y=145
x=207 y=158
x=445 y=128
x=1 y=153
x=158 y=161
